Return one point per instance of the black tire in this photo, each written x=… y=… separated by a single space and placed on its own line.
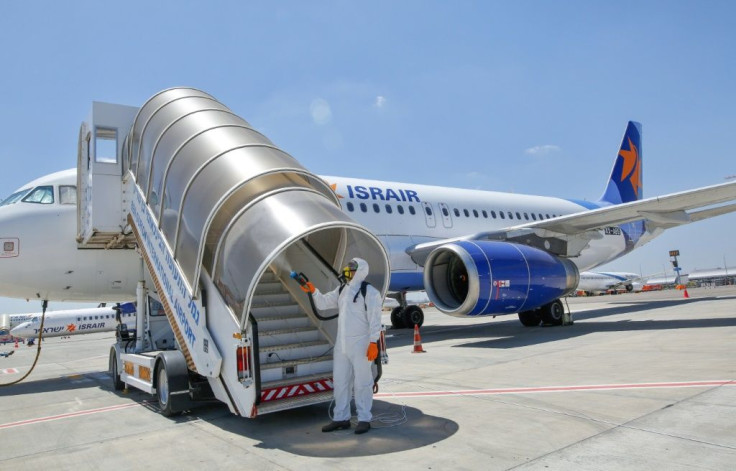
x=530 y=318
x=117 y=385
x=397 y=320
x=553 y=313
x=163 y=391
x=412 y=316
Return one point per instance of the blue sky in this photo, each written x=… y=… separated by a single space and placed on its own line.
x=523 y=96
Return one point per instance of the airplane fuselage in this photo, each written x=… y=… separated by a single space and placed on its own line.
x=42 y=260
x=403 y=215
x=72 y=322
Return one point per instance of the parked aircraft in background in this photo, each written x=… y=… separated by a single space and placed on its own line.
x=75 y=321
x=597 y=282
x=475 y=253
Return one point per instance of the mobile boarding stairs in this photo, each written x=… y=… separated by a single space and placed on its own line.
x=219 y=216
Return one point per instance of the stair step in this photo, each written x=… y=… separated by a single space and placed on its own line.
x=294 y=351
x=270 y=287
x=295 y=380
x=291 y=369
x=267 y=338
x=272 y=299
x=284 y=322
x=294 y=402
x=275 y=311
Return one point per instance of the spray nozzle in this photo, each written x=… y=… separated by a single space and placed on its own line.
x=299 y=277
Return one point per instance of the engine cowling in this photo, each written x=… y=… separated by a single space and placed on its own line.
x=475 y=278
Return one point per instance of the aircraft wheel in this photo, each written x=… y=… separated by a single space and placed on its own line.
x=397 y=320
x=163 y=391
x=530 y=318
x=117 y=385
x=552 y=313
x=412 y=316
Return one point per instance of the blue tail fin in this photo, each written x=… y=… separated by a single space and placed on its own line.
x=625 y=183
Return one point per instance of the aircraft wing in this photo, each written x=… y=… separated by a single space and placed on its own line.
x=567 y=236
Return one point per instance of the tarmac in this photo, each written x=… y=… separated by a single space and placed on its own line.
x=639 y=381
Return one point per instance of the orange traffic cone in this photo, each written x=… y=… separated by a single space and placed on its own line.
x=417 y=341
x=16 y=343
x=685 y=295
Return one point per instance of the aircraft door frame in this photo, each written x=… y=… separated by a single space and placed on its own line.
x=446 y=215
x=429 y=214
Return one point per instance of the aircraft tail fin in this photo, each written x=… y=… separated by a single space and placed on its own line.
x=625 y=183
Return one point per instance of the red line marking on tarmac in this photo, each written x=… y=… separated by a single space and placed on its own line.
x=467 y=392
x=70 y=415
x=552 y=389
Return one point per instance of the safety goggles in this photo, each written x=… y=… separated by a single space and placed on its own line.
x=350 y=269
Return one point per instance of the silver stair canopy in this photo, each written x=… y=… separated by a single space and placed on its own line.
x=237 y=213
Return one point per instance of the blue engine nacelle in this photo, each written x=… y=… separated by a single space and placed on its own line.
x=475 y=278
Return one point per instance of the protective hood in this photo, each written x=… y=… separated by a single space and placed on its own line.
x=361 y=273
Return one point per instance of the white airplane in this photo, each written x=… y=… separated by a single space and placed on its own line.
x=442 y=240
x=595 y=282
x=75 y=321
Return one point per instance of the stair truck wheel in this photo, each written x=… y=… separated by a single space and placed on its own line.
x=412 y=316
x=172 y=383
x=397 y=321
x=117 y=385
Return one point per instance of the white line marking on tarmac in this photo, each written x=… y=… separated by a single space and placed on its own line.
x=552 y=389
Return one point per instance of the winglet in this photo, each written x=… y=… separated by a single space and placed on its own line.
x=625 y=183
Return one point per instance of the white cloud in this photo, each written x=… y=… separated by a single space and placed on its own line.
x=380 y=101
x=320 y=111
x=543 y=150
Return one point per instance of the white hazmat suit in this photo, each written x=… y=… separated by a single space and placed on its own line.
x=358 y=324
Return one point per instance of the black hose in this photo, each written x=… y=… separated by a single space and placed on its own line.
x=44 y=305
x=316 y=311
x=302 y=279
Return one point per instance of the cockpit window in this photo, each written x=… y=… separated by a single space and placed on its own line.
x=67 y=194
x=40 y=194
x=15 y=197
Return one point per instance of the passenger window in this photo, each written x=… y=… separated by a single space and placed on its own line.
x=547 y=216
x=466 y=213
x=401 y=209
x=411 y=210
x=475 y=212
x=534 y=216
x=457 y=212
x=350 y=206
x=518 y=215
x=428 y=210
x=376 y=208
x=500 y=213
x=363 y=207
x=445 y=212
x=485 y=214
x=40 y=194
x=511 y=215
x=493 y=214
x=526 y=216
x=389 y=209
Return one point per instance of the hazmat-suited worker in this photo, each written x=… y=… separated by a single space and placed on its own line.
x=356 y=345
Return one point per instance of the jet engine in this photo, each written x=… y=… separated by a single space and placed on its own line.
x=475 y=278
